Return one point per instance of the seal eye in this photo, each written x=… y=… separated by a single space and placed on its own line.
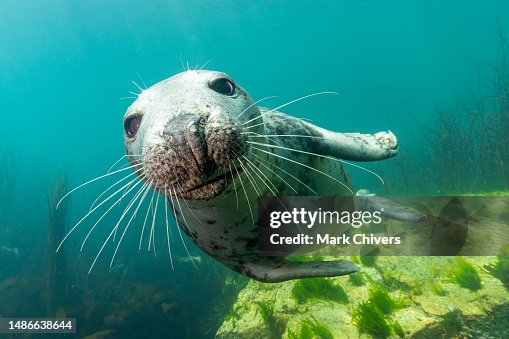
x=131 y=125
x=223 y=86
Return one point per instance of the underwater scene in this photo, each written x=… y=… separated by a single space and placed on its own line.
x=254 y=169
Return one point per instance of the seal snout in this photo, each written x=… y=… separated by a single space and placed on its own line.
x=196 y=153
x=225 y=142
x=186 y=136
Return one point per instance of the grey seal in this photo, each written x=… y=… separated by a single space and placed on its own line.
x=205 y=144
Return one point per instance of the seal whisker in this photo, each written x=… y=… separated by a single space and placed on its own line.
x=135 y=94
x=143 y=82
x=137 y=163
x=168 y=228
x=90 y=212
x=254 y=103
x=124 y=98
x=192 y=213
x=185 y=222
x=146 y=217
x=105 y=213
x=321 y=156
x=255 y=169
x=135 y=84
x=89 y=182
x=151 y=240
x=267 y=137
x=279 y=177
x=123 y=195
x=289 y=103
x=253 y=126
x=245 y=193
x=234 y=184
x=205 y=64
x=182 y=62
x=258 y=135
x=113 y=185
x=165 y=198
x=250 y=178
x=299 y=163
x=291 y=175
x=128 y=207
x=102 y=248
x=119 y=160
x=143 y=192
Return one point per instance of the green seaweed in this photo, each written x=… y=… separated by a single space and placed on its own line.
x=368 y=261
x=310 y=329
x=372 y=316
x=354 y=259
x=234 y=314
x=417 y=287
x=397 y=329
x=290 y=334
x=266 y=311
x=357 y=279
x=379 y=296
x=501 y=268
x=306 y=332
x=452 y=323
x=438 y=289
x=392 y=281
x=318 y=328
x=465 y=274
x=318 y=288
x=370 y=319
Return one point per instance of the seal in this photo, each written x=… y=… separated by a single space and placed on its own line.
x=203 y=142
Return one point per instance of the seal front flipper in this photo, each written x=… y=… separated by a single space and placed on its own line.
x=367 y=201
x=279 y=269
x=353 y=146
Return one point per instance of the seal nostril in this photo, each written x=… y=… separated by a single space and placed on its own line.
x=187 y=135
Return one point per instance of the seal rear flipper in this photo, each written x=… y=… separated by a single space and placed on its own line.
x=279 y=270
x=367 y=201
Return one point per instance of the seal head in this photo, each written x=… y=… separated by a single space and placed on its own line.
x=186 y=131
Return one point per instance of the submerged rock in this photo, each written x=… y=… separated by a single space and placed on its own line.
x=425 y=288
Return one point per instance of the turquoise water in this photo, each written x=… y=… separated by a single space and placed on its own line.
x=65 y=65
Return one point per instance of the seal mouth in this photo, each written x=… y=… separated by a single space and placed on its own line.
x=212 y=187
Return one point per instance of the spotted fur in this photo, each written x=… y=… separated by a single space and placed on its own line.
x=212 y=150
